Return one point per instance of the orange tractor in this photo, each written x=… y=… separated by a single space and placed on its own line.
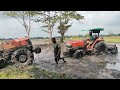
x=79 y=48
x=19 y=51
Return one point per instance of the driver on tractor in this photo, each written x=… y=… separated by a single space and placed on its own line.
x=92 y=39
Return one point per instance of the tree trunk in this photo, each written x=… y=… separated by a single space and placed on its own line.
x=28 y=33
x=29 y=25
x=49 y=29
x=50 y=37
x=50 y=33
x=62 y=37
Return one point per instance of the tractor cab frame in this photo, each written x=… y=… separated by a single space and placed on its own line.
x=95 y=30
x=96 y=38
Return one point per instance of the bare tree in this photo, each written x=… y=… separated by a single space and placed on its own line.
x=24 y=17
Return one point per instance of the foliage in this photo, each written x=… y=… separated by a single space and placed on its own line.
x=64 y=18
x=111 y=34
x=48 y=18
x=30 y=72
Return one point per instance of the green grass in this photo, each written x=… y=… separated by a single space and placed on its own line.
x=44 y=74
x=39 y=40
x=111 y=39
x=30 y=72
x=11 y=72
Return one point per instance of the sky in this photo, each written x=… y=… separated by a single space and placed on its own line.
x=109 y=20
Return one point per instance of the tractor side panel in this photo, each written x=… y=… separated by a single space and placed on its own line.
x=78 y=44
x=23 y=43
x=19 y=43
x=15 y=44
x=10 y=46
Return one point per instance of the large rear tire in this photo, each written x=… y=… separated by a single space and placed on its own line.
x=23 y=57
x=100 y=47
x=78 y=54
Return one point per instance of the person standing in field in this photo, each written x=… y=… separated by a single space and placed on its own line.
x=57 y=51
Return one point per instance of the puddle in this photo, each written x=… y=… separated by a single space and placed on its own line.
x=113 y=66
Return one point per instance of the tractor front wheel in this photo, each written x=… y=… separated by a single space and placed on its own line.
x=23 y=57
x=78 y=54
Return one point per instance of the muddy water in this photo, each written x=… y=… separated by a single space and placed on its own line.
x=114 y=60
x=101 y=67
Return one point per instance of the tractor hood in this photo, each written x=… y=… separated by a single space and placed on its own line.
x=75 y=43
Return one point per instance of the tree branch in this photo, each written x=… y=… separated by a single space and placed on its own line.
x=29 y=23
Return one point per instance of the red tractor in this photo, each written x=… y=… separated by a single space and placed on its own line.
x=79 y=48
x=19 y=51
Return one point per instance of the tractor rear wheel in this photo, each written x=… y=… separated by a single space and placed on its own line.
x=78 y=54
x=100 y=48
x=23 y=57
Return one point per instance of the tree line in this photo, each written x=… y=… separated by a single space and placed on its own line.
x=66 y=36
x=48 y=18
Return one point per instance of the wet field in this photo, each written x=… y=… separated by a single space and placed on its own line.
x=88 y=67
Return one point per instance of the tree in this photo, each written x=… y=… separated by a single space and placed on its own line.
x=111 y=34
x=64 y=17
x=86 y=35
x=49 y=19
x=62 y=29
x=119 y=34
x=24 y=17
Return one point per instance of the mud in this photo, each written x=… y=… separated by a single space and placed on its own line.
x=88 y=67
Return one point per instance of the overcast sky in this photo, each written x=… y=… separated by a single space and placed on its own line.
x=109 y=20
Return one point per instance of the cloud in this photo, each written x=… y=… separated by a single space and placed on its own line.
x=110 y=20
